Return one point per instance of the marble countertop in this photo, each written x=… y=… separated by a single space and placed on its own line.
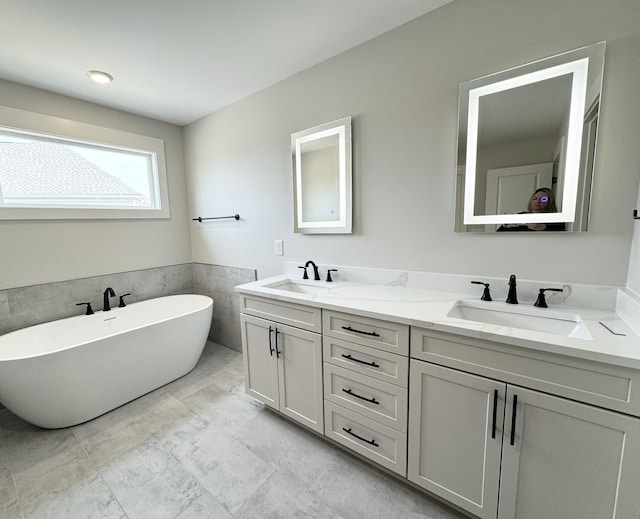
x=428 y=308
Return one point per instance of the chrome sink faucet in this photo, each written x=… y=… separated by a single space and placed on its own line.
x=316 y=274
x=106 y=306
x=512 y=296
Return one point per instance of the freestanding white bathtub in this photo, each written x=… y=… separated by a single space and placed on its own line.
x=69 y=371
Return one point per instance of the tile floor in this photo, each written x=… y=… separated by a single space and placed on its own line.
x=196 y=448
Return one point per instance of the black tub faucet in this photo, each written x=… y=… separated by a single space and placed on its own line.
x=316 y=274
x=512 y=296
x=105 y=300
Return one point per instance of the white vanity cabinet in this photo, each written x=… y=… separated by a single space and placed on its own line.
x=365 y=386
x=482 y=440
x=282 y=353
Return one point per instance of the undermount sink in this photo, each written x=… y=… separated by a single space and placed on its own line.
x=297 y=287
x=522 y=317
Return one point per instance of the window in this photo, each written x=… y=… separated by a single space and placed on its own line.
x=46 y=175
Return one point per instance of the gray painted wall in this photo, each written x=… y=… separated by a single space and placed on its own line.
x=36 y=252
x=402 y=90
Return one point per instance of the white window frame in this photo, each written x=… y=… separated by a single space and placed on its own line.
x=55 y=127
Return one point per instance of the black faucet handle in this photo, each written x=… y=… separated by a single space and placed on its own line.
x=486 y=295
x=541 y=302
x=122 y=303
x=305 y=275
x=329 y=271
x=89 y=309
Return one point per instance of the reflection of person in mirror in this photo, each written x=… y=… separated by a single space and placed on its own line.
x=542 y=201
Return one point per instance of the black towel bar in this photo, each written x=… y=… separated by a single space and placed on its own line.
x=199 y=219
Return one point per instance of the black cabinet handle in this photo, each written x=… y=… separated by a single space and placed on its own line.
x=513 y=419
x=370 y=400
x=495 y=413
x=372 y=364
x=278 y=352
x=370 y=442
x=271 y=350
x=349 y=329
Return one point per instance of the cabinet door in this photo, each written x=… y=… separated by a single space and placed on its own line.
x=300 y=375
x=565 y=459
x=455 y=436
x=260 y=361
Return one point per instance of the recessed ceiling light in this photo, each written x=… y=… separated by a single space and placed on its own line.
x=99 y=77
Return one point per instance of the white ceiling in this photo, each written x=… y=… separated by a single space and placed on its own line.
x=178 y=60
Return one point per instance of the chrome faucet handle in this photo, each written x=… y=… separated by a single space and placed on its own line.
x=486 y=295
x=305 y=275
x=541 y=302
x=329 y=271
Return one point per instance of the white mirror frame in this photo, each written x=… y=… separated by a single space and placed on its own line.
x=342 y=225
x=576 y=63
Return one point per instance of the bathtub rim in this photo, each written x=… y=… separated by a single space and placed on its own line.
x=209 y=303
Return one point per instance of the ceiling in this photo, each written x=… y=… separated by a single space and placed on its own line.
x=178 y=60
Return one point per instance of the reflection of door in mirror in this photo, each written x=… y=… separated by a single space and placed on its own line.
x=319 y=160
x=509 y=189
x=589 y=132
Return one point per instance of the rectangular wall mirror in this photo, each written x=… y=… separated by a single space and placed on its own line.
x=526 y=145
x=321 y=168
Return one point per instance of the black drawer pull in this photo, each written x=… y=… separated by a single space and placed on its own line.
x=370 y=442
x=349 y=329
x=278 y=352
x=495 y=413
x=271 y=350
x=372 y=364
x=370 y=400
x=513 y=419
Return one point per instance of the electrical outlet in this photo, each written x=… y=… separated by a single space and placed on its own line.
x=279 y=246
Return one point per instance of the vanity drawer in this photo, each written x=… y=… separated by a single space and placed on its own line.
x=379 y=364
x=611 y=387
x=379 y=334
x=373 y=440
x=377 y=400
x=300 y=316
